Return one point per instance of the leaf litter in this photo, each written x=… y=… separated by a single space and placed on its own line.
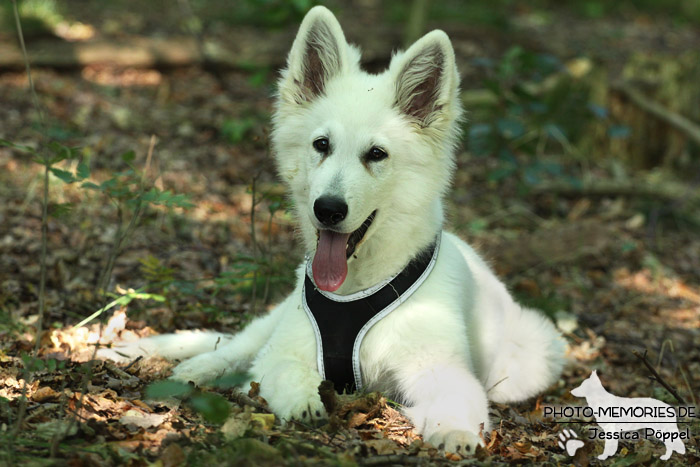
x=622 y=285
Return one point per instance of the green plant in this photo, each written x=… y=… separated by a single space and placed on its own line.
x=234 y=130
x=39 y=17
x=266 y=13
x=122 y=300
x=213 y=407
x=35 y=364
x=535 y=108
x=126 y=190
x=493 y=13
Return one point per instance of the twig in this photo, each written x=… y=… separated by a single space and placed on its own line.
x=657 y=377
x=268 y=253
x=677 y=121
x=118 y=371
x=102 y=283
x=687 y=384
x=255 y=243
x=35 y=98
x=416 y=21
x=149 y=157
x=27 y=374
x=87 y=377
x=56 y=439
x=122 y=234
x=397 y=459
x=674 y=196
x=242 y=398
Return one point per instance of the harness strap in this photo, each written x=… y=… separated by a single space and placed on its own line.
x=340 y=322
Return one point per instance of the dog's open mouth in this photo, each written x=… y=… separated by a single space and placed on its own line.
x=330 y=263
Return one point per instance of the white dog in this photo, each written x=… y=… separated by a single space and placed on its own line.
x=388 y=301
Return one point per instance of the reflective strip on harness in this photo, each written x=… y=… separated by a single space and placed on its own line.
x=340 y=322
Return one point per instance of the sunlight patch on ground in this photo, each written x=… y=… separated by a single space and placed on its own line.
x=121 y=77
x=688 y=318
x=15 y=80
x=644 y=281
x=74 y=32
x=686 y=315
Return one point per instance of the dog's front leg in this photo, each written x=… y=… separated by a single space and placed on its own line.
x=287 y=371
x=447 y=404
x=290 y=388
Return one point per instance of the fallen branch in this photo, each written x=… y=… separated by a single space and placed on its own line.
x=136 y=360
x=116 y=371
x=245 y=47
x=667 y=191
x=657 y=377
x=398 y=459
x=677 y=121
x=242 y=399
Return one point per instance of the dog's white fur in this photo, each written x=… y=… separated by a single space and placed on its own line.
x=460 y=340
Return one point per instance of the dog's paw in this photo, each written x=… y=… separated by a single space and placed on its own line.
x=456 y=441
x=301 y=403
x=201 y=369
x=310 y=412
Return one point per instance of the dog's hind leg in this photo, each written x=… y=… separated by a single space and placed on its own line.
x=527 y=357
x=517 y=352
x=178 y=346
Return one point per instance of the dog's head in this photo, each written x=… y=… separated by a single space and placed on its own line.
x=363 y=153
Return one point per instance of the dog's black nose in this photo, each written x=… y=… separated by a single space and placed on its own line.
x=330 y=210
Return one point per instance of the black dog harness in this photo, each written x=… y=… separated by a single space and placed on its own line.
x=341 y=321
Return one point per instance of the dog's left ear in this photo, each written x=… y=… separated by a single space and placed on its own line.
x=426 y=80
x=319 y=53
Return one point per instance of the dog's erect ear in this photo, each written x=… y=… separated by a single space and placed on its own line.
x=319 y=53
x=426 y=78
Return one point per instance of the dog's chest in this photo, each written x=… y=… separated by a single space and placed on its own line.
x=340 y=323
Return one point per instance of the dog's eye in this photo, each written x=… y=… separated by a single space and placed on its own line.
x=376 y=154
x=322 y=145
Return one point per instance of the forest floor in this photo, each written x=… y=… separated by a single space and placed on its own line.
x=619 y=275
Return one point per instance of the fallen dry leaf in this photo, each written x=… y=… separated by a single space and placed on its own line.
x=142 y=420
x=45 y=394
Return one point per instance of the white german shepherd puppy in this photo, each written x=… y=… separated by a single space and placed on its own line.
x=368 y=159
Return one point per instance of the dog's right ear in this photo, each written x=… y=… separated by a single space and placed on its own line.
x=319 y=53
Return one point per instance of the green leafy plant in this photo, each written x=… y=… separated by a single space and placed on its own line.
x=267 y=13
x=234 y=130
x=126 y=189
x=39 y=17
x=36 y=364
x=535 y=107
x=213 y=407
x=123 y=300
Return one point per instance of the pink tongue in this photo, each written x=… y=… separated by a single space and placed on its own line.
x=330 y=265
